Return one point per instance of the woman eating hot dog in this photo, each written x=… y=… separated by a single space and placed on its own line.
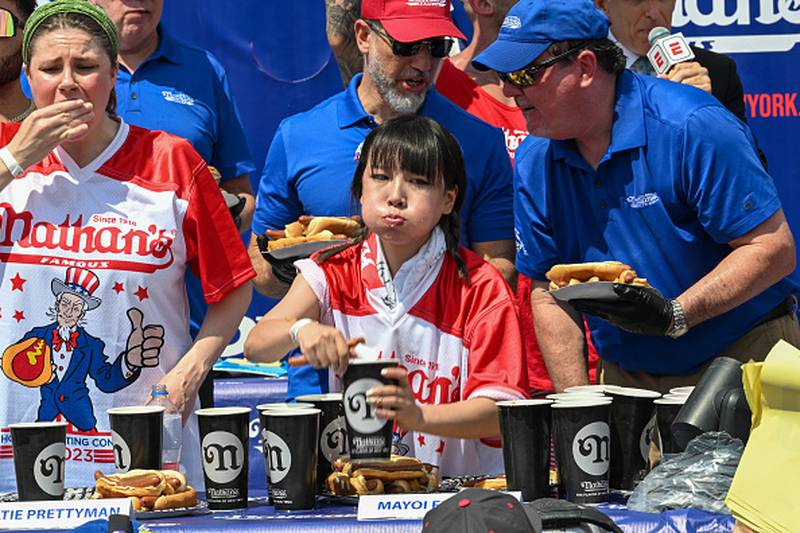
x=409 y=290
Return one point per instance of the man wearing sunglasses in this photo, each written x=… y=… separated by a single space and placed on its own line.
x=655 y=174
x=310 y=164
x=14 y=105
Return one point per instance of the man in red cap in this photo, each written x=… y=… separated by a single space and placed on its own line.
x=311 y=161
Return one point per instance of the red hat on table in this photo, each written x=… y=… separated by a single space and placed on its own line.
x=412 y=20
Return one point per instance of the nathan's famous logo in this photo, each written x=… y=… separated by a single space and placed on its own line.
x=743 y=14
x=223 y=456
x=358 y=410
x=48 y=469
x=122 y=453
x=18 y=229
x=333 y=439
x=279 y=457
x=590 y=448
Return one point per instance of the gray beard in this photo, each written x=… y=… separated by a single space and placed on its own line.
x=65 y=331
x=398 y=101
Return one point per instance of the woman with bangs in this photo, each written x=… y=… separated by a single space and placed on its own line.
x=407 y=290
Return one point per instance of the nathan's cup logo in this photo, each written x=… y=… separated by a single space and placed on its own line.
x=122 y=454
x=333 y=440
x=359 y=412
x=279 y=457
x=223 y=456
x=590 y=448
x=48 y=469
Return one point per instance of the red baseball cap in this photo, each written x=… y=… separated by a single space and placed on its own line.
x=412 y=20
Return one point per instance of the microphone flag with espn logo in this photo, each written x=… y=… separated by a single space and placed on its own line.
x=667 y=50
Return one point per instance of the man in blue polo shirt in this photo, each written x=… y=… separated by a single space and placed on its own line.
x=163 y=84
x=655 y=174
x=310 y=164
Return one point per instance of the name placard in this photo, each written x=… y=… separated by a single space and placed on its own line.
x=403 y=506
x=59 y=514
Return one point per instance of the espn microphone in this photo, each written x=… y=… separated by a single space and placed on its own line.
x=667 y=50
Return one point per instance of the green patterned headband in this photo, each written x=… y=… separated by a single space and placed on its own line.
x=80 y=7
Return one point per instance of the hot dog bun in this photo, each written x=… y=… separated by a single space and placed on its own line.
x=147 y=489
x=397 y=474
x=184 y=498
x=310 y=229
x=345 y=226
x=575 y=273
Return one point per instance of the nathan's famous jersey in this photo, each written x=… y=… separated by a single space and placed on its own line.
x=89 y=259
x=457 y=341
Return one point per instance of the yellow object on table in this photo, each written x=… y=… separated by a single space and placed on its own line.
x=764 y=491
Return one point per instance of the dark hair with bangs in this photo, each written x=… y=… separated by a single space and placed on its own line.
x=421 y=146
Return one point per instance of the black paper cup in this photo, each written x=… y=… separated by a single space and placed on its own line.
x=332 y=433
x=368 y=436
x=39 y=456
x=575 y=396
x=631 y=418
x=701 y=411
x=583 y=449
x=525 y=429
x=224 y=442
x=291 y=449
x=137 y=436
x=284 y=405
x=666 y=411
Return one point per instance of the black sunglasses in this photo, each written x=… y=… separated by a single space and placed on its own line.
x=438 y=47
x=528 y=76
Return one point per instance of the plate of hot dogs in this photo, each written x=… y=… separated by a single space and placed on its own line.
x=153 y=493
x=307 y=235
x=396 y=475
x=591 y=281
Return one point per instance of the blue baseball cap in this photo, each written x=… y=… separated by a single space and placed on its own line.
x=531 y=26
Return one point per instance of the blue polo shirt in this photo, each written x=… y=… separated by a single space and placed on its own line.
x=679 y=181
x=313 y=156
x=184 y=91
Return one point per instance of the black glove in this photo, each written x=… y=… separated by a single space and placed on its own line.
x=640 y=310
x=282 y=269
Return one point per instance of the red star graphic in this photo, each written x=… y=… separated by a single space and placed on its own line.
x=440 y=449
x=118 y=287
x=17 y=282
x=141 y=293
x=19 y=316
x=421 y=439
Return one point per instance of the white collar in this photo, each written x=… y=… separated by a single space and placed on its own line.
x=630 y=57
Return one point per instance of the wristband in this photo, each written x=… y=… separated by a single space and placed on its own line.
x=297 y=326
x=11 y=162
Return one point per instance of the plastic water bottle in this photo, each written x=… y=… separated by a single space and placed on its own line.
x=173 y=428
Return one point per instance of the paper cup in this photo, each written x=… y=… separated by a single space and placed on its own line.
x=525 y=429
x=631 y=418
x=137 y=436
x=332 y=433
x=583 y=449
x=224 y=442
x=284 y=405
x=684 y=391
x=592 y=388
x=39 y=456
x=368 y=436
x=666 y=411
x=291 y=447
x=575 y=396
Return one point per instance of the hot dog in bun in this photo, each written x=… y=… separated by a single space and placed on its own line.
x=147 y=489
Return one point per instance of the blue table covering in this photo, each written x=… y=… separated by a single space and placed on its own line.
x=260 y=517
